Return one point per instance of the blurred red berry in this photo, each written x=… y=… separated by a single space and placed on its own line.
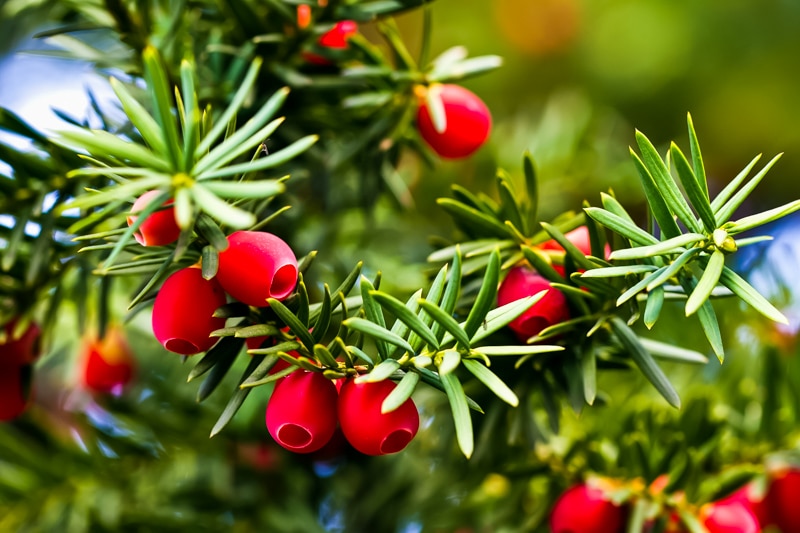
x=183 y=312
x=468 y=122
x=303 y=16
x=729 y=517
x=585 y=509
x=255 y=266
x=301 y=413
x=364 y=426
x=13 y=391
x=336 y=39
x=24 y=349
x=107 y=363
x=521 y=282
x=749 y=497
x=160 y=228
x=781 y=500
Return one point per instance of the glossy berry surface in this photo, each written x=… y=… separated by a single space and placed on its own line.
x=468 y=122
x=301 y=413
x=585 y=509
x=256 y=266
x=183 y=312
x=24 y=349
x=729 y=517
x=160 y=227
x=364 y=426
x=521 y=282
x=108 y=364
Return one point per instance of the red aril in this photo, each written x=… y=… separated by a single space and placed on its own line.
x=22 y=350
x=521 y=282
x=107 y=363
x=586 y=509
x=160 y=227
x=468 y=122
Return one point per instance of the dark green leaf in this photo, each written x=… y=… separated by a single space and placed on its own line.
x=698 y=197
x=731 y=187
x=726 y=211
x=295 y=325
x=487 y=296
x=626 y=228
x=228 y=347
x=402 y=313
x=445 y=322
x=377 y=332
x=490 y=379
x=655 y=301
x=707 y=282
x=238 y=398
x=460 y=410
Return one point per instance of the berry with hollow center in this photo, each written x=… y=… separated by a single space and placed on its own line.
x=521 y=282
x=468 y=122
x=160 y=227
x=255 y=266
x=586 y=509
x=301 y=413
x=364 y=426
x=183 y=312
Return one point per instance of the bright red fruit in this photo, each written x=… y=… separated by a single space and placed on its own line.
x=182 y=313
x=13 y=396
x=255 y=266
x=301 y=413
x=748 y=497
x=108 y=364
x=585 y=509
x=336 y=38
x=523 y=281
x=24 y=349
x=365 y=427
x=781 y=500
x=160 y=227
x=468 y=122
x=730 y=517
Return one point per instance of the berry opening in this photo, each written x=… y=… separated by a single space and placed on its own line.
x=181 y=346
x=294 y=436
x=283 y=282
x=396 y=441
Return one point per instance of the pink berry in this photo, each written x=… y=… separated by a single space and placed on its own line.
x=301 y=413
x=468 y=122
x=365 y=427
x=160 y=228
x=256 y=266
x=521 y=282
x=23 y=350
x=585 y=509
x=183 y=312
x=730 y=517
x=758 y=504
x=108 y=364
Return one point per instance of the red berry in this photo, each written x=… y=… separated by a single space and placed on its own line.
x=585 y=509
x=23 y=350
x=182 y=313
x=551 y=309
x=303 y=16
x=301 y=413
x=338 y=36
x=468 y=122
x=781 y=500
x=336 y=39
x=160 y=228
x=256 y=266
x=748 y=496
x=730 y=517
x=364 y=426
x=580 y=238
x=13 y=393
x=108 y=364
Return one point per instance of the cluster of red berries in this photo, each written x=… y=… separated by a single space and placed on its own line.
x=305 y=408
x=17 y=354
x=586 y=508
x=255 y=266
x=523 y=281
